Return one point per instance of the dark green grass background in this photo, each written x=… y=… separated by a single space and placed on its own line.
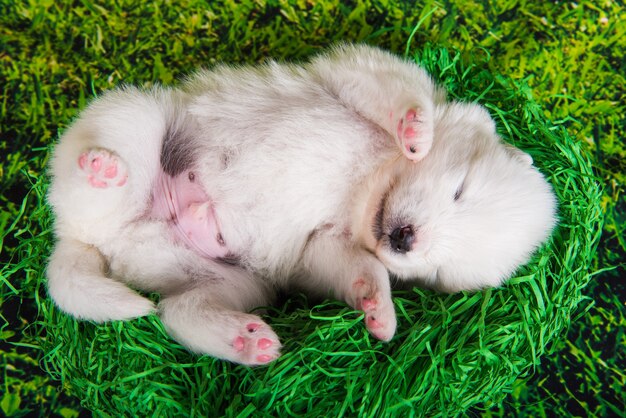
x=54 y=55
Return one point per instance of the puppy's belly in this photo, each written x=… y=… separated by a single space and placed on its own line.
x=182 y=202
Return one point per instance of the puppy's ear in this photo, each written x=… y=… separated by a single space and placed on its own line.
x=518 y=154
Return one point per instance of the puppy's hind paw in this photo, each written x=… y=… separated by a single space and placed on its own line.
x=102 y=168
x=414 y=135
x=256 y=344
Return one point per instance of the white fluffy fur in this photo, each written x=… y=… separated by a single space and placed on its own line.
x=306 y=171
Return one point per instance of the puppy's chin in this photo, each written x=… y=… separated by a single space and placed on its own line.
x=369 y=203
x=409 y=266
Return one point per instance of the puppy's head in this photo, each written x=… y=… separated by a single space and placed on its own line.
x=467 y=215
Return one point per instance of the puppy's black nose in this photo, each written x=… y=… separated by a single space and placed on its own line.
x=401 y=239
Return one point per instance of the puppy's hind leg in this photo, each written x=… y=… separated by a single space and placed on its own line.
x=395 y=94
x=208 y=317
x=78 y=284
x=105 y=164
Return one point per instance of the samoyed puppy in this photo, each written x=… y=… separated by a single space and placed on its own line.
x=324 y=177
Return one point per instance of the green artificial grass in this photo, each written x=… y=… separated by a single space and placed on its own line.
x=451 y=352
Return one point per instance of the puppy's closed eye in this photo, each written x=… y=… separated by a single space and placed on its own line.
x=459 y=192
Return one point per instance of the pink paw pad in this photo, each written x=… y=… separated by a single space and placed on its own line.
x=380 y=318
x=264 y=358
x=103 y=168
x=264 y=343
x=372 y=323
x=377 y=328
x=253 y=327
x=256 y=344
x=239 y=344
x=368 y=304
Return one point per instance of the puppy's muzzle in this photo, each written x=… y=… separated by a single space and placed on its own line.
x=401 y=239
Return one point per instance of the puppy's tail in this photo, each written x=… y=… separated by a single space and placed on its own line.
x=78 y=285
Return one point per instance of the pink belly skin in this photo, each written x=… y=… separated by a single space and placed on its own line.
x=182 y=200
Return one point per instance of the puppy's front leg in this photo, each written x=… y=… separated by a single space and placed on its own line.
x=393 y=93
x=334 y=263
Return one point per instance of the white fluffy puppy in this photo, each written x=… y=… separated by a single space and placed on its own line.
x=308 y=176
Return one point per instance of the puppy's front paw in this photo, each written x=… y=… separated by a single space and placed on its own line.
x=102 y=168
x=414 y=134
x=380 y=316
x=256 y=344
